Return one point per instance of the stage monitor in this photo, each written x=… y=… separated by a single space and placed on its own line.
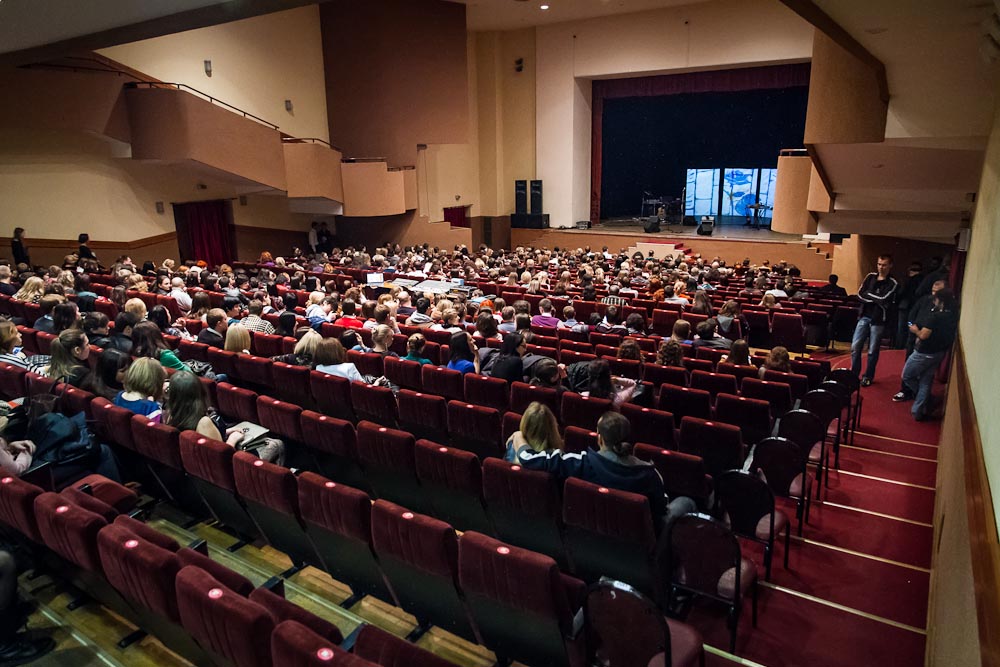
x=702 y=193
x=739 y=190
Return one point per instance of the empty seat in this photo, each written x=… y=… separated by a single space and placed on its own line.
x=782 y=464
x=390 y=467
x=610 y=533
x=332 y=443
x=713 y=383
x=685 y=402
x=254 y=370
x=487 y=392
x=280 y=418
x=69 y=530
x=658 y=375
x=419 y=555
x=403 y=373
x=443 y=382
x=787 y=330
x=113 y=424
x=747 y=503
x=223 y=362
x=266 y=345
x=236 y=404
x=524 y=608
x=522 y=395
x=525 y=507
x=577 y=440
x=291 y=383
x=683 y=474
x=376 y=404
x=295 y=645
x=777 y=394
x=475 y=429
x=583 y=411
x=12 y=382
x=799 y=384
x=17 y=506
x=337 y=519
x=423 y=415
x=453 y=479
x=367 y=363
x=751 y=415
x=209 y=465
x=332 y=395
x=387 y=650
x=740 y=372
x=720 y=445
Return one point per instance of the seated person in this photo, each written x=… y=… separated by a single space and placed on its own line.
x=69 y=358
x=777 y=360
x=347 y=317
x=304 y=350
x=507 y=323
x=601 y=384
x=108 y=377
x=539 y=432
x=832 y=288
x=612 y=322
x=509 y=364
x=65 y=315
x=45 y=322
x=449 y=322
x=487 y=327
x=237 y=339
x=382 y=341
x=709 y=337
x=549 y=375
x=147 y=341
x=463 y=353
x=10 y=345
x=629 y=349
x=143 y=390
x=545 y=318
x=415 y=349
x=739 y=354
x=331 y=357
x=213 y=333
x=681 y=332
x=421 y=315
x=670 y=353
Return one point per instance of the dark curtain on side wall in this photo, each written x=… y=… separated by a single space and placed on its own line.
x=205 y=231
x=719 y=81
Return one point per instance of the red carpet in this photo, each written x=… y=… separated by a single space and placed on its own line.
x=911 y=471
x=873 y=535
x=893 y=499
x=903 y=447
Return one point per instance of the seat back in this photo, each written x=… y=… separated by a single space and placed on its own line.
x=376 y=404
x=453 y=479
x=387 y=650
x=654 y=427
x=390 y=465
x=157 y=442
x=419 y=556
x=209 y=465
x=623 y=626
x=522 y=395
x=751 y=415
x=280 y=418
x=403 y=373
x=17 y=506
x=69 y=530
x=443 y=381
x=787 y=329
x=799 y=384
x=683 y=474
x=685 y=402
x=583 y=411
x=266 y=345
x=141 y=571
x=744 y=499
x=332 y=443
x=519 y=602
x=720 y=445
x=487 y=392
x=235 y=403
x=12 y=382
x=777 y=394
x=713 y=383
x=423 y=415
x=475 y=429
x=113 y=424
x=702 y=553
x=337 y=519
x=222 y=361
x=802 y=427
x=367 y=363
x=782 y=465
x=332 y=395
x=291 y=383
x=609 y=532
x=658 y=375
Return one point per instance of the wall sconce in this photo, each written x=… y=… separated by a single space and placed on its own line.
x=288 y=106
x=457 y=197
x=208 y=68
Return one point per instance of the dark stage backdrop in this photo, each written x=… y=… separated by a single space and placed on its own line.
x=649 y=143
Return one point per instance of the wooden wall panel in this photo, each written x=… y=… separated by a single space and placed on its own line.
x=791 y=196
x=313 y=170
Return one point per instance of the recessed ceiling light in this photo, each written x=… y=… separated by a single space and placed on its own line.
x=544 y=7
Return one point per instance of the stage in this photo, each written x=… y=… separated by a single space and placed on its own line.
x=727 y=230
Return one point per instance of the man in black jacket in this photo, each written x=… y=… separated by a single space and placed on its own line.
x=878 y=294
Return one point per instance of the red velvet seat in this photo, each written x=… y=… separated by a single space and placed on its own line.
x=816 y=324
x=740 y=372
x=583 y=411
x=713 y=383
x=13 y=383
x=788 y=330
x=295 y=645
x=522 y=605
x=403 y=373
x=720 y=445
x=272 y=599
x=337 y=519
x=442 y=381
x=685 y=402
x=142 y=571
x=69 y=530
x=610 y=533
x=390 y=465
x=209 y=465
x=387 y=650
x=332 y=443
x=683 y=474
x=577 y=440
x=663 y=320
x=659 y=375
x=291 y=383
x=368 y=363
x=332 y=395
x=17 y=506
x=799 y=384
x=223 y=362
x=654 y=427
x=475 y=429
x=487 y=392
x=453 y=479
x=525 y=507
x=747 y=504
x=254 y=370
x=419 y=556
x=271 y=496
x=575 y=346
x=777 y=394
x=266 y=345
x=222 y=621
x=693 y=364
x=156 y=442
x=759 y=334
x=373 y=403
x=113 y=424
x=751 y=415
x=43 y=341
x=812 y=370
x=280 y=418
x=423 y=415
x=782 y=465
x=568 y=357
x=522 y=395
x=235 y=403
x=629 y=368
x=189 y=349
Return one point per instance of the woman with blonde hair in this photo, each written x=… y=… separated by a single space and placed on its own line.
x=137 y=307
x=382 y=341
x=143 y=390
x=10 y=339
x=31 y=291
x=768 y=301
x=538 y=431
x=237 y=339
x=304 y=350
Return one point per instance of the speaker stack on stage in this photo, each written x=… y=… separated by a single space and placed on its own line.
x=651 y=225
x=521 y=219
x=706 y=226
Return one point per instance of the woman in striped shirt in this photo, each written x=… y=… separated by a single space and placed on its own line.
x=10 y=345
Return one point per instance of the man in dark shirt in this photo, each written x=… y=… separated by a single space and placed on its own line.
x=214 y=333
x=878 y=294
x=832 y=288
x=918 y=312
x=906 y=300
x=935 y=334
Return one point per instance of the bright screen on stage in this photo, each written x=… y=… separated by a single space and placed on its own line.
x=702 y=193
x=739 y=190
x=767 y=180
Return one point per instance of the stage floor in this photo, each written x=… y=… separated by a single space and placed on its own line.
x=735 y=232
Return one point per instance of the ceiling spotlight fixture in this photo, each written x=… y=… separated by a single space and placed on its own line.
x=544 y=7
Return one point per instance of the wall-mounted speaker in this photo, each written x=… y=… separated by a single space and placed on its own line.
x=521 y=197
x=536 y=198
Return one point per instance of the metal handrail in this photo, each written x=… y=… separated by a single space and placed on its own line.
x=364 y=159
x=310 y=140
x=213 y=100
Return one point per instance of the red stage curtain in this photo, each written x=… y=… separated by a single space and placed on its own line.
x=205 y=231
x=716 y=81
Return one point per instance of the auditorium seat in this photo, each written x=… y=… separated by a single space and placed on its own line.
x=69 y=530
x=787 y=330
x=376 y=404
x=387 y=650
x=740 y=372
x=190 y=349
x=388 y=458
x=17 y=506
x=522 y=395
x=403 y=373
x=692 y=364
x=209 y=465
x=13 y=383
x=266 y=345
x=295 y=645
x=236 y=404
x=443 y=382
x=659 y=375
x=713 y=383
x=112 y=424
x=525 y=507
x=367 y=363
x=423 y=415
x=475 y=429
x=523 y=607
x=683 y=474
x=332 y=395
x=654 y=427
x=569 y=357
x=487 y=392
x=337 y=519
x=747 y=505
x=610 y=533
x=751 y=415
x=332 y=443
x=809 y=432
x=782 y=464
x=577 y=440
x=223 y=362
x=629 y=368
x=453 y=480
x=759 y=334
x=798 y=384
x=720 y=445
x=777 y=394
x=583 y=411
x=419 y=555
x=271 y=597
x=280 y=418
x=685 y=402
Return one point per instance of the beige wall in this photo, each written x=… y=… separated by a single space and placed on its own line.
x=981 y=314
x=257 y=64
x=709 y=35
x=270 y=212
x=406 y=229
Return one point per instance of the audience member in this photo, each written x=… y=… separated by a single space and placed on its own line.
x=777 y=360
x=108 y=377
x=463 y=353
x=147 y=341
x=143 y=390
x=69 y=356
x=10 y=345
x=214 y=332
x=330 y=357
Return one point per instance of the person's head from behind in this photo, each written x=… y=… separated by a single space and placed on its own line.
x=635 y=322
x=147 y=340
x=237 y=338
x=136 y=307
x=768 y=301
x=159 y=316
x=486 y=325
x=415 y=345
x=146 y=377
x=186 y=401
x=739 y=353
x=629 y=349
x=382 y=338
x=110 y=370
x=545 y=373
x=10 y=337
x=216 y=320
x=539 y=428
x=461 y=347
x=232 y=306
x=778 y=360
x=682 y=330
x=613 y=431
x=49 y=302
x=286 y=324
x=507 y=313
x=65 y=316
x=706 y=329
x=348 y=307
x=613 y=315
x=124 y=324
x=670 y=353
x=423 y=305
x=350 y=339
x=306 y=346
x=599 y=376
x=329 y=352
x=834 y=279
x=513 y=345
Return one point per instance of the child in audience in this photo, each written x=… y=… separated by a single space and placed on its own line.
x=143 y=390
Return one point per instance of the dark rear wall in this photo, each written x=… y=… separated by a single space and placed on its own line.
x=650 y=142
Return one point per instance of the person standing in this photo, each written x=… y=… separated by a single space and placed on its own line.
x=935 y=334
x=906 y=300
x=314 y=237
x=84 y=251
x=878 y=295
x=18 y=249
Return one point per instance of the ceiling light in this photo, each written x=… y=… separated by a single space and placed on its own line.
x=544 y=7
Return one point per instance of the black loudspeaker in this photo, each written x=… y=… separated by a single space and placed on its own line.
x=521 y=197
x=536 y=198
x=652 y=225
x=705 y=228
x=529 y=221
